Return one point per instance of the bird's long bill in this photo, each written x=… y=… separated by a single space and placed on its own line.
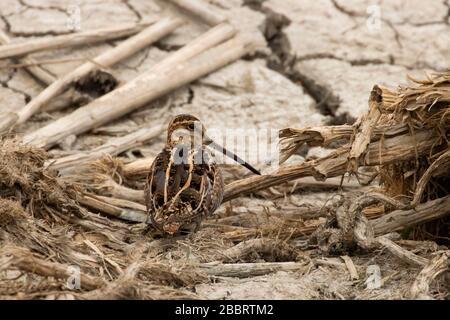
x=231 y=155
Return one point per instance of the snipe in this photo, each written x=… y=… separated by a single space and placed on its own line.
x=185 y=185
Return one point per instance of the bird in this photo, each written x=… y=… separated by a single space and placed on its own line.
x=185 y=184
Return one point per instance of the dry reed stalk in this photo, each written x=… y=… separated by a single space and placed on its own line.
x=242 y=234
x=37 y=71
x=69 y=40
x=401 y=253
x=394 y=149
x=138 y=92
x=112 y=147
x=139 y=167
x=104 y=185
x=125 y=49
x=271 y=247
x=350 y=267
x=400 y=219
x=118 y=208
x=202 y=10
x=247 y=270
x=43 y=77
x=292 y=139
x=364 y=129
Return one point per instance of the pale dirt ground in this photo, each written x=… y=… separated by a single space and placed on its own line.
x=335 y=56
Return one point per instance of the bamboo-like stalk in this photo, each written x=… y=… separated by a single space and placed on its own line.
x=209 y=39
x=401 y=253
x=247 y=270
x=118 y=208
x=44 y=77
x=139 y=167
x=364 y=129
x=136 y=93
x=202 y=10
x=398 y=148
x=400 y=219
x=350 y=267
x=128 y=47
x=70 y=40
x=112 y=147
x=37 y=71
x=108 y=187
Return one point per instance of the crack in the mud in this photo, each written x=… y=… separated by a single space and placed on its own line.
x=6 y=22
x=283 y=61
x=139 y=63
x=166 y=47
x=31 y=6
x=132 y=9
x=346 y=11
x=27 y=6
x=5 y=84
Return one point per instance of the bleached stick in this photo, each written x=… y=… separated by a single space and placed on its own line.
x=402 y=253
x=37 y=71
x=138 y=168
x=69 y=40
x=118 y=208
x=400 y=219
x=398 y=148
x=44 y=77
x=246 y=270
x=106 y=186
x=107 y=59
x=112 y=147
x=136 y=93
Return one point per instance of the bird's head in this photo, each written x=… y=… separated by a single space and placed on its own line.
x=184 y=127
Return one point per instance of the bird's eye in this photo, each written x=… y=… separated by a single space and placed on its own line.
x=191 y=126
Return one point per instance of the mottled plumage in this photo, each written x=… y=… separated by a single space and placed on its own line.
x=184 y=184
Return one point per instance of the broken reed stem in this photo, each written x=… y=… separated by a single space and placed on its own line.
x=35 y=70
x=247 y=270
x=205 y=41
x=400 y=219
x=118 y=208
x=364 y=129
x=112 y=147
x=136 y=93
x=440 y=162
x=44 y=77
x=350 y=267
x=125 y=49
x=401 y=253
x=70 y=40
x=104 y=185
x=202 y=10
x=139 y=167
x=398 y=148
